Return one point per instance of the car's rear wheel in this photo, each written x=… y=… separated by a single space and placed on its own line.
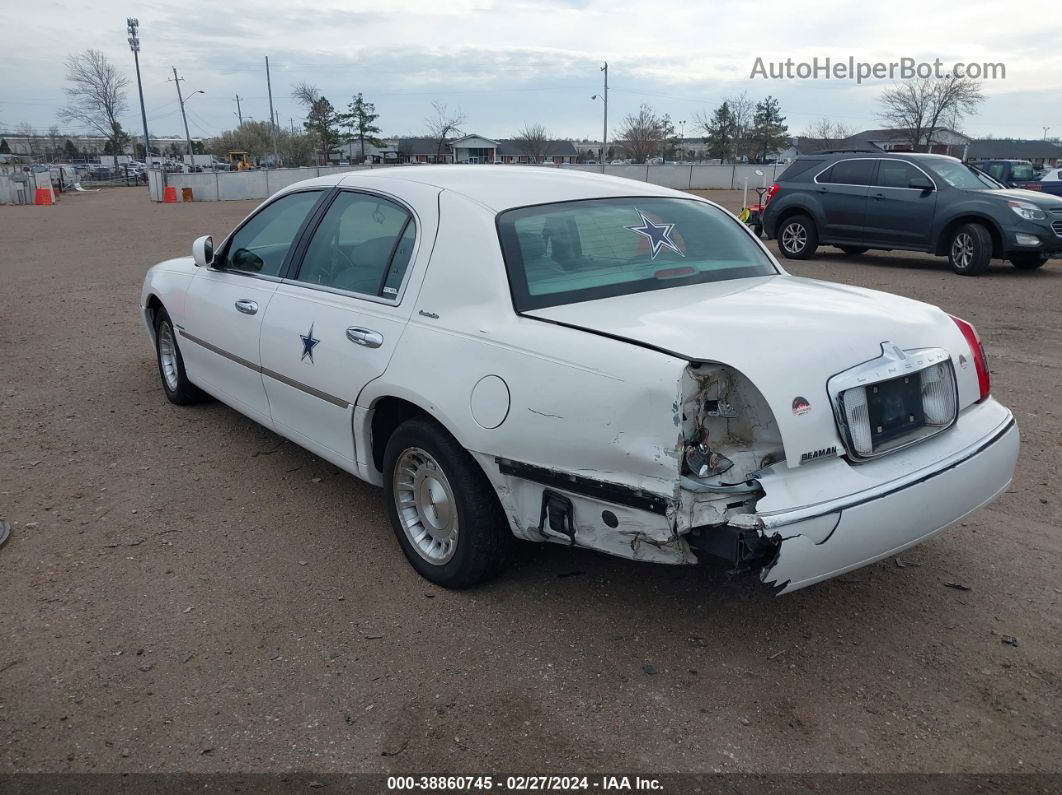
x=442 y=508
x=970 y=250
x=798 y=238
x=854 y=251
x=1028 y=262
x=175 y=381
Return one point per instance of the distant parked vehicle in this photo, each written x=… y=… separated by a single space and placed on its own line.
x=916 y=202
x=1018 y=174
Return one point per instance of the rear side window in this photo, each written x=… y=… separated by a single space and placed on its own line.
x=584 y=250
x=897 y=174
x=363 y=245
x=849 y=172
x=798 y=167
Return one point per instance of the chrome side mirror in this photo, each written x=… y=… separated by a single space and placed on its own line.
x=203 y=251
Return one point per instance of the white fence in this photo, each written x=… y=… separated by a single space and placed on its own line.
x=228 y=185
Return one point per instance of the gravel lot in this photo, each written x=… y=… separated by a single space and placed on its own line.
x=183 y=590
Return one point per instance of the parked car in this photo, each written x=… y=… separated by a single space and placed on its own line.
x=917 y=202
x=1018 y=174
x=590 y=361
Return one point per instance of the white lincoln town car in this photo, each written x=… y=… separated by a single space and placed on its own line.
x=590 y=361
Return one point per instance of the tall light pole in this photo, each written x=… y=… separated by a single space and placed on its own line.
x=604 y=122
x=1045 y=132
x=187 y=136
x=133 y=25
x=272 y=117
x=682 y=139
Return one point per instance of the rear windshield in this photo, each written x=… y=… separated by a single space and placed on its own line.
x=583 y=250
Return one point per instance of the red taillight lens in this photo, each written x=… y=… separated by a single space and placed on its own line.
x=770 y=194
x=984 y=380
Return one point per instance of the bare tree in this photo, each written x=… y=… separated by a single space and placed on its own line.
x=643 y=134
x=828 y=131
x=918 y=108
x=443 y=124
x=97 y=97
x=534 y=140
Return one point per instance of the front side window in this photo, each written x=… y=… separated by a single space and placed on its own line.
x=261 y=245
x=584 y=250
x=1021 y=172
x=849 y=172
x=363 y=245
x=897 y=174
x=961 y=176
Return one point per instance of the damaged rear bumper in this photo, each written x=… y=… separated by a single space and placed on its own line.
x=821 y=541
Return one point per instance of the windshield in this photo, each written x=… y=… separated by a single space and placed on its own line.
x=583 y=250
x=962 y=176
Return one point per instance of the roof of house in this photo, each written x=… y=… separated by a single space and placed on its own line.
x=506 y=146
x=516 y=148
x=805 y=145
x=1006 y=149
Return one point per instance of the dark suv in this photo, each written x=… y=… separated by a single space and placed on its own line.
x=916 y=202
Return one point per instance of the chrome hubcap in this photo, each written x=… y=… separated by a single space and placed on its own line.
x=962 y=251
x=794 y=238
x=168 y=355
x=426 y=507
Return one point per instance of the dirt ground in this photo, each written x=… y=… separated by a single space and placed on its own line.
x=185 y=591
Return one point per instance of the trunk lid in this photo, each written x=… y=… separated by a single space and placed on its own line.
x=788 y=335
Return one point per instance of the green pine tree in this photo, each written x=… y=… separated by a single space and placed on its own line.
x=359 y=120
x=769 y=130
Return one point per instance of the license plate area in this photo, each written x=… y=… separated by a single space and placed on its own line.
x=895 y=409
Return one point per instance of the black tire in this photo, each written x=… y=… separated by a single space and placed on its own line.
x=970 y=250
x=757 y=229
x=797 y=237
x=1028 y=262
x=854 y=251
x=483 y=543
x=178 y=388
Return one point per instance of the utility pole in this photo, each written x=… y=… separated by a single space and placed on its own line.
x=187 y=135
x=292 y=122
x=133 y=27
x=239 y=111
x=604 y=125
x=1045 y=132
x=272 y=118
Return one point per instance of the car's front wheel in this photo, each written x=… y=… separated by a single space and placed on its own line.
x=798 y=238
x=175 y=381
x=1028 y=262
x=442 y=508
x=970 y=251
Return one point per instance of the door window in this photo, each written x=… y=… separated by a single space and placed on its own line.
x=849 y=172
x=363 y=245
x=261 y=244
x=897 y=174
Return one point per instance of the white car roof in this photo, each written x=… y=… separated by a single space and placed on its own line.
x=502 y=187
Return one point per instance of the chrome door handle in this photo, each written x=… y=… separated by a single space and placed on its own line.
x=365 y=336
x=247 y=307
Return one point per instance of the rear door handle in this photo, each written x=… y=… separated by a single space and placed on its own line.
x=878 y=196
x=365 y=336
x=247 y=307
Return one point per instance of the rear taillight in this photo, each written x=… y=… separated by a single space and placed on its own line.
x=770 y=194
x=984 y=380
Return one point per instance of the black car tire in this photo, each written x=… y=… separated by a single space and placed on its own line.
x=179 y=390
x=442 y=473
x=854 y=251
x=797 y=237
x=1028 y=262
x=970 y=250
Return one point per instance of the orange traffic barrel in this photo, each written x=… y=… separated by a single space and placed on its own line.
x=186 y=194
x=44 y=197
x=169 y=196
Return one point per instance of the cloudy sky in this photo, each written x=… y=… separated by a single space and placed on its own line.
x=527 y=61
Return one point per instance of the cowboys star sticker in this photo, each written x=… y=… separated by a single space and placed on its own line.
x=658 y=235
x=308 y=344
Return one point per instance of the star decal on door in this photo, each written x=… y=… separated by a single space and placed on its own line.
x=308 y=344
